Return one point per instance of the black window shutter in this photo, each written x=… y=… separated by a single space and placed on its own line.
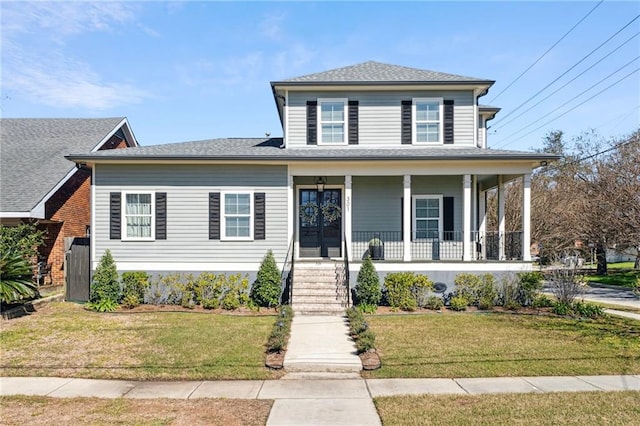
x=312 y=122
x=259 y=220
x=353 y=122
x=406 y=122
x=161 y=215
x=115 y=215
x=447 y=220
x=214 y=215
x=448 y=121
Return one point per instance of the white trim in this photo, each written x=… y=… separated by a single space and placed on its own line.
x=413 y=213
x=18 y=215
x=123 y=209
x=286 y=118
x=223 y=220
x=449 y=266
x=475 y=118
x=414 y=122
x=92 y=203
x=291 y=223
x=345 y=129
x=347 y=216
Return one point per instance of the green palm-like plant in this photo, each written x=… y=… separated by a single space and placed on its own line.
x=15 y=278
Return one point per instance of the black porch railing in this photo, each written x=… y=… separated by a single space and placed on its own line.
x=286 y=277
x=449 y=245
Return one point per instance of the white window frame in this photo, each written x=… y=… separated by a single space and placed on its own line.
x=414 y=219
x=223 y=216
x=414 y=121
x=345 y=129
x=123 y=225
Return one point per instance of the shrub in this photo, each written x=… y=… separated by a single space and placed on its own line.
x=509 y=290
x=530 y=284
x=367 y=309
x=134 y=285
x=479 y=290
x=403 y=289
x=280 y=331
x=366 y=341
x=105 y=280
x=434 y=302
x=561 y=308
x=586 y=309
x=22 y=240
x=130 y=301
x=566 y=284
x=458 y=303
x=266 y=289
x=15 y=278
x=368 y=290
x=542 y=301
x=103 y=305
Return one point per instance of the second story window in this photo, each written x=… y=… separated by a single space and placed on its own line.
x=427 y=120
x=332 y=121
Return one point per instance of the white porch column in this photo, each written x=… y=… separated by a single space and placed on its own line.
x=406 y=218
x=347 y=214
x=526 y=217
x=466 y=218
x=482 y=226
x=291 y=211
x=501 y=220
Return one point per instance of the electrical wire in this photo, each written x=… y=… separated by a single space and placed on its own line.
x=563 y=86
x=571 y=109
x=548 y=50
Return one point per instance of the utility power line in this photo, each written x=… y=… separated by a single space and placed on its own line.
x=499 y=123
x=545 y=53
x=573 y=108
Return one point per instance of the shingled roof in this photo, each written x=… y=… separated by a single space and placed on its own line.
x=261 y=149
x=32 y=159
x=377 y=72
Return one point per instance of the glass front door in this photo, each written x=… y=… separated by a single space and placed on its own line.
x=320 y=222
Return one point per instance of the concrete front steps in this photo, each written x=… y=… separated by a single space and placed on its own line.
x=319 y=288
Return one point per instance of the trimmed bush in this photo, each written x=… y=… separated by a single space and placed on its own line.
x=434 y=303
x=458 y=303
x=366 y=341
x=403 y=289
x=359 y=330
x=530 y=284
x=105 y=281
x=266 y=289
x=368 y=291
x=134 y=285
x=542 y=301
x=281 y=329
x=479 y=290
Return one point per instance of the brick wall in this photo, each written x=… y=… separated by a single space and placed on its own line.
x=69 y=209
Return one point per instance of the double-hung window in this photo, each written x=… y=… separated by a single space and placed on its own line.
x=332 y=121
x=427 y=216
x=138 y=215
x=237 y=217
x=427 y=120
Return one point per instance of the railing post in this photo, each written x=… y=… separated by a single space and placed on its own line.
x=406 y=230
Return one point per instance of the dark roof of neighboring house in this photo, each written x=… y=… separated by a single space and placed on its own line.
x=32 y=156
x=377 y=72
x=260 y=149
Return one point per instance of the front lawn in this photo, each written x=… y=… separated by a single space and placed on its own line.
x=583 y=408
x=503 y=344
x=65 y=340
x=623 y=277
x=38 y=410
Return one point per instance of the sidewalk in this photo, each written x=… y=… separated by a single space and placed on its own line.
x=312 y=401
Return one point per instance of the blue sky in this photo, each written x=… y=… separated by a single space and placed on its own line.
x=198 y=70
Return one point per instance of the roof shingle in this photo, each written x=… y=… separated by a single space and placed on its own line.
x=32 y=157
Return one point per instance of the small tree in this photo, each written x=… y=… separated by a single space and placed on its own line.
x=105 y=284
x=368 y=291
x=266 y=288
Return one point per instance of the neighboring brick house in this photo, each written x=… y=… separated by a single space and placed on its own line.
x=37 y=184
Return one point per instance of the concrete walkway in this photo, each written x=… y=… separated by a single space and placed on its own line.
x=321 y=344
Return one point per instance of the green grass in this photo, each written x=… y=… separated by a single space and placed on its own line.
x=63 y=339
x=616 y=276
x=500 y=345
x=582 y=408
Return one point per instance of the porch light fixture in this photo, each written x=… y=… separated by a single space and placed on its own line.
x=320 y=184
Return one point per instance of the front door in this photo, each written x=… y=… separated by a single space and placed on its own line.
x=320 y=222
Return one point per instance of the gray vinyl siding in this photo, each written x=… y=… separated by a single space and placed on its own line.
x=376 y=203
x=188 y=188
x=379 y=115
x=447 y=186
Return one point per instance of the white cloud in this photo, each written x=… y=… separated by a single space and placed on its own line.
x=271 y=26
x=36 y=66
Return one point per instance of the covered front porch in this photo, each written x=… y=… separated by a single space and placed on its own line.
x=399 y=218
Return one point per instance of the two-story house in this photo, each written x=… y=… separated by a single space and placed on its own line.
x=372 y=155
